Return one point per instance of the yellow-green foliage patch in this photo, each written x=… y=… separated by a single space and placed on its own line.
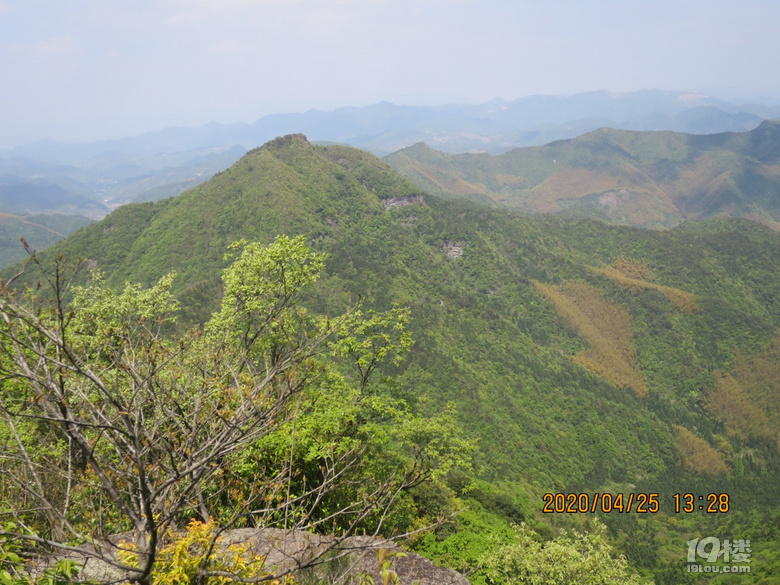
x=701 y=175
x=635 y=178
x=570 y=183
x=505 y=180
x=698 y=456
x=576 y=182
x=190 y=557
x=733 y=404
x=748 y=400
x=605 y=326
x=634 y=275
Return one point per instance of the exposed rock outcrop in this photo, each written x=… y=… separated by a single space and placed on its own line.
x=287 y=550
x=341 y=563
x=402 y=201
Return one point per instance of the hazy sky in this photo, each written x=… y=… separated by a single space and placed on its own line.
x=91 y=69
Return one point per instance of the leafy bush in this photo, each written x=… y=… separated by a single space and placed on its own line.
x=189 y=558
x=582 y=558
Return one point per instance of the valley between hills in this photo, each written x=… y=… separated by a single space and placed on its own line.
x=578 y=351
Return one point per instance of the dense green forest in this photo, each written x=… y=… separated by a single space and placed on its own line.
x=579 y=357
x=40 y=231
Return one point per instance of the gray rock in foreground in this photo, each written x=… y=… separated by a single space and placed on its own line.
x=341 y=563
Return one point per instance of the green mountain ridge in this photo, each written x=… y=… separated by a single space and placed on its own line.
x=646 y=179
x=40 y=231
x=582 y=357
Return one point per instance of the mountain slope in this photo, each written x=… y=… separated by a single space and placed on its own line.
x=581 y=356
x=40 y=231
x=648 y=179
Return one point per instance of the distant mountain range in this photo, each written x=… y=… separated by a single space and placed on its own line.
x=90 y=179
x=646 y=179
x=382 y=128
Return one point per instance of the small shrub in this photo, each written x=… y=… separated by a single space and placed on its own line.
x=191 y=558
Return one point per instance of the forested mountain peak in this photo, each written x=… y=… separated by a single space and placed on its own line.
x=286 y=186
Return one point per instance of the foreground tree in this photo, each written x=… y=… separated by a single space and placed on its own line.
x=582 y=558
x=112 y=423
